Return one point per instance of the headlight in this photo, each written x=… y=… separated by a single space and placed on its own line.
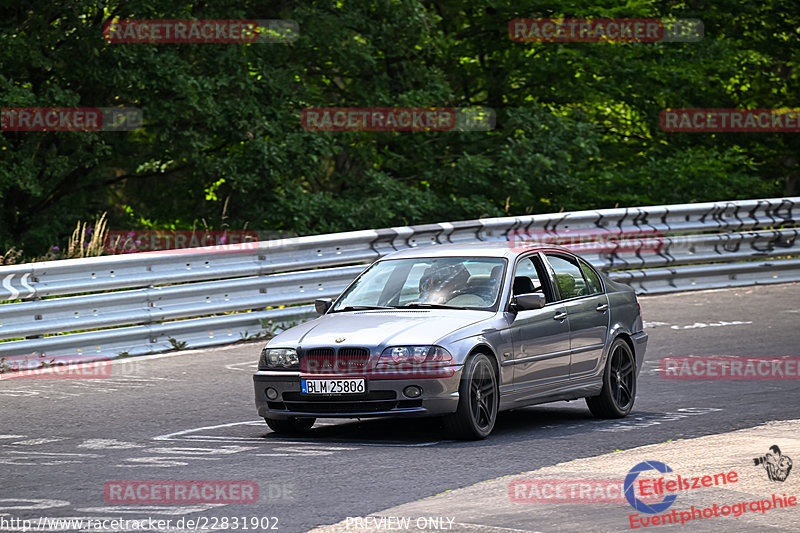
x=278 y=358
x=421 y=355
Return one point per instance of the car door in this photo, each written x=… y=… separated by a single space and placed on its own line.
x=581 y=291
x=540 y=337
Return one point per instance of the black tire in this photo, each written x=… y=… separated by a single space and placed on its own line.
x=291 y=426
x=479 y=399
x=619 y=384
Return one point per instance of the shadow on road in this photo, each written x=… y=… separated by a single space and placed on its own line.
x=527 y=424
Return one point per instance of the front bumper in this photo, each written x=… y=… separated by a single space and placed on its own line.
x=384 y=397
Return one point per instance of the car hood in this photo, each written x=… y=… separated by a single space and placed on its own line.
x=379 y=328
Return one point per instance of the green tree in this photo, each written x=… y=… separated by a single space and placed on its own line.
x=577 y=123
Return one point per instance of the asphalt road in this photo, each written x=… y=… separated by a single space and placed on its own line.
x=190 y=416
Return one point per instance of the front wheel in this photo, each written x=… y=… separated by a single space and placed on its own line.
x=478 y=400
x=619 y=384
x=290 y=426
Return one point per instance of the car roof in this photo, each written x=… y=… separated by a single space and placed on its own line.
x=506 y=249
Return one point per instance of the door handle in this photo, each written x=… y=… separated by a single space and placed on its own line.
x=602 y=308
x=560 y=316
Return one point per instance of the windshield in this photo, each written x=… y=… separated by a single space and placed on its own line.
x=446 y=282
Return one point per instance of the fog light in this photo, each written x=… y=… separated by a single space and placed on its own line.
x=412 y=391
x=272 y=394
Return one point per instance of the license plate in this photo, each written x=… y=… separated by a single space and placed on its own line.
x=333 y=386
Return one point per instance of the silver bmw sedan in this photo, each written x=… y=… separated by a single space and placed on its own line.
x=460 y=331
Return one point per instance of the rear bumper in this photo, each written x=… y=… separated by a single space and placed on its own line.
x=384 y=397
x=639 y=347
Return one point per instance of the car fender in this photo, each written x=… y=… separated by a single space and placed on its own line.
x=615 y=331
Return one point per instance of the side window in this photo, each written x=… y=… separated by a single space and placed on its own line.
x=526 y=278
x=569 y=279
x=592 y=279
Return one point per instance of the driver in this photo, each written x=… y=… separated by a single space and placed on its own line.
x=440 y=283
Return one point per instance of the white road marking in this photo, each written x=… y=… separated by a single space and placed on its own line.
x=162 y=462
x=16 y=393
x=181 y=456
x=212 y=438
x=697 y=325
x=224 y=450
x=78 y=387
x=186 y=436
x=144 y=510
x=26 y=452
x=638 y=422
x=12 y=436
x=36 y=442
x=300 y=451
x=247 y=366
x=109 y=444
x=655 y=420
x=171 y=436
x=37 y=505
x=35 y=461
x=30 y=458
x=216 y=349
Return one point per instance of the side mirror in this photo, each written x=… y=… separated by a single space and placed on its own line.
x=533 y=300
x=321 y=305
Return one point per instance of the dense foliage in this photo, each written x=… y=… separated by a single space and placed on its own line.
x=222 y=146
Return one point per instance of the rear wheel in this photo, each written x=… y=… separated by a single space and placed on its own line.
x=619 y=384
x=290 y=426
x=478 y=400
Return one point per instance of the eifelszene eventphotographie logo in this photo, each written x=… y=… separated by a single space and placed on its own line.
x=669 y=484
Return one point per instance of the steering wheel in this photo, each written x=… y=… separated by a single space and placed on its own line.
x=484 y=294
x=467 y=299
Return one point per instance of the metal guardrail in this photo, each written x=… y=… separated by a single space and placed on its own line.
x=156 y=301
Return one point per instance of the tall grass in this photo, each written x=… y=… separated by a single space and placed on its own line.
x=79 y=247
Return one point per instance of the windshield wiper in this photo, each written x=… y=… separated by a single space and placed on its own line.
x=361 y=308
x=424 y=305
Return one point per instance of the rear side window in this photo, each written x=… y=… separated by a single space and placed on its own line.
x=593 y=284
x=569 y=279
